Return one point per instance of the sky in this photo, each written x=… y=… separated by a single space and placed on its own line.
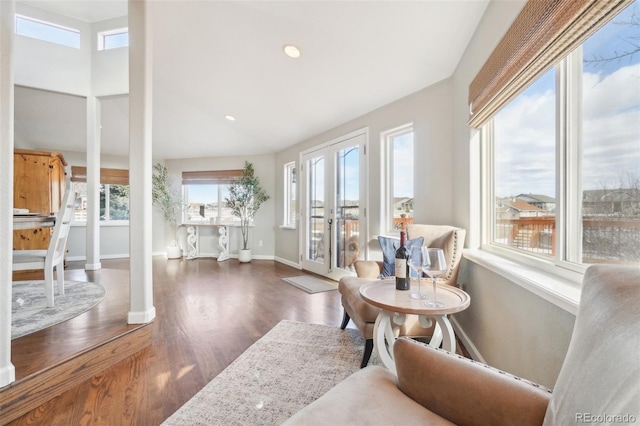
x=403 y=157
x=525 y=129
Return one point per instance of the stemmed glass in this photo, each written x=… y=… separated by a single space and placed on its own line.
x=416 y=263
x=436 y=266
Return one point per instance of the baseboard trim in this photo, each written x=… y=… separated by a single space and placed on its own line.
x=7 y=375
x=143 y=317
x=288 y=262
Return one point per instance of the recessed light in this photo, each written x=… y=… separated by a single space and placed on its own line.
x=230 y=117
x=291 y=51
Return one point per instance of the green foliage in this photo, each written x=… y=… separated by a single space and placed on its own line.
x=163 y=196
x=245 y=197
x=118 y=202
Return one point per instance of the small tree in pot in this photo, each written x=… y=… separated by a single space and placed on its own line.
x=245 y=197
x=170 y=202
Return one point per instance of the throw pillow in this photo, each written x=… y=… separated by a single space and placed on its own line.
x=389 y=245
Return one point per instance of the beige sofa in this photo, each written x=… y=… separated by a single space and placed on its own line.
x=599 y=381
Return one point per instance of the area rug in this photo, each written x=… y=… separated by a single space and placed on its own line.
x=291 y=366
x=311 y=284
x=33 y=314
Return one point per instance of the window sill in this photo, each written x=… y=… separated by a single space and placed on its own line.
x=105 y=224
x=291 y=227
x=560 y=291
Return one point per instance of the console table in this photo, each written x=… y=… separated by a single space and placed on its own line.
x=193 y=239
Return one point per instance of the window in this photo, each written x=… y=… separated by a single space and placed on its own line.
x=524 y=173
x=290 y=204
x=114 y=195
x=113 y=39
x=564 y=156
x=47 y=31
x=114 y=202
x=398 y=200
x=204 y=194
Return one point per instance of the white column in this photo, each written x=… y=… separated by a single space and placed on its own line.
x=140 y=163
x=7 y=370
x=93 y=184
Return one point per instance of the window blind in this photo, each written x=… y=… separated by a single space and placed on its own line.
x=544 y=32
x=210 y=177
x=107 y=176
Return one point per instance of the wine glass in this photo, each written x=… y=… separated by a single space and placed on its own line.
x=416 y=263
x=437 y=266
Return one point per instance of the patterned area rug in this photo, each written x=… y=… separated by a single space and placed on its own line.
x=291 y=366
x=312 y=284
x=33 y=314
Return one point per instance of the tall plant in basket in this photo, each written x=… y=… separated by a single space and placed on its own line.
x=245 y=198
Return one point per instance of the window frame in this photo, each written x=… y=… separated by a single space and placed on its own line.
x=387 y=196
x=219 y=198
x=289 y=219
x=220 y=178
x=102 y=35
x=566 y=262
x=107 y=221
x=73 y=31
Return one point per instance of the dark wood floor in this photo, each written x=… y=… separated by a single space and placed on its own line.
x=207 y=314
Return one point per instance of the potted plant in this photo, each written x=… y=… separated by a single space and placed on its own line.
x=245 y=197
x=170 y=202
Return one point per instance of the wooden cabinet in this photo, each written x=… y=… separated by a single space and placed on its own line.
x=38 y=185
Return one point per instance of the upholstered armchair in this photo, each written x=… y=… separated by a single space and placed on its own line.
x=363 y=315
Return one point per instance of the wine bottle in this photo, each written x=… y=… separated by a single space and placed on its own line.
x=401 y=264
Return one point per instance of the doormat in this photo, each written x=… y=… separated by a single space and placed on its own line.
x=312 y=284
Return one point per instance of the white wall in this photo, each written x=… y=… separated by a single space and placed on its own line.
x=430 y=112
x=110 y=68
x=67 y=68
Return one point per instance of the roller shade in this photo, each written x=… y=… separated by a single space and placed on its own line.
x=210 y=177
x=544 y=32
x=107 y=176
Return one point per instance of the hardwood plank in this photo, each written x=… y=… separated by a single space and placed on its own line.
x=208 y=313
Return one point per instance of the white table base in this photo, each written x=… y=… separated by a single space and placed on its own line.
x=384 y=336
x=193 y=241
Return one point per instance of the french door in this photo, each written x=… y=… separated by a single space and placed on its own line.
x=333 y=212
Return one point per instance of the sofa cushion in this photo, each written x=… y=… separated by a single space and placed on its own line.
x=389 y=245
x=367 y=397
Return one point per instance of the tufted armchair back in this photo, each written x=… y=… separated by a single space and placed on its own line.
x=448 y=238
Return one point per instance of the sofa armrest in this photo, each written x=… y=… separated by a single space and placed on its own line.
x=368 y=268
x=464 y=391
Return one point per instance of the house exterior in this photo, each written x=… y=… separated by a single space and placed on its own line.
x=515 y=209
x=544 y=202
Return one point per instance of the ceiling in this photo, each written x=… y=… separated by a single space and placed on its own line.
x=212 y=58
